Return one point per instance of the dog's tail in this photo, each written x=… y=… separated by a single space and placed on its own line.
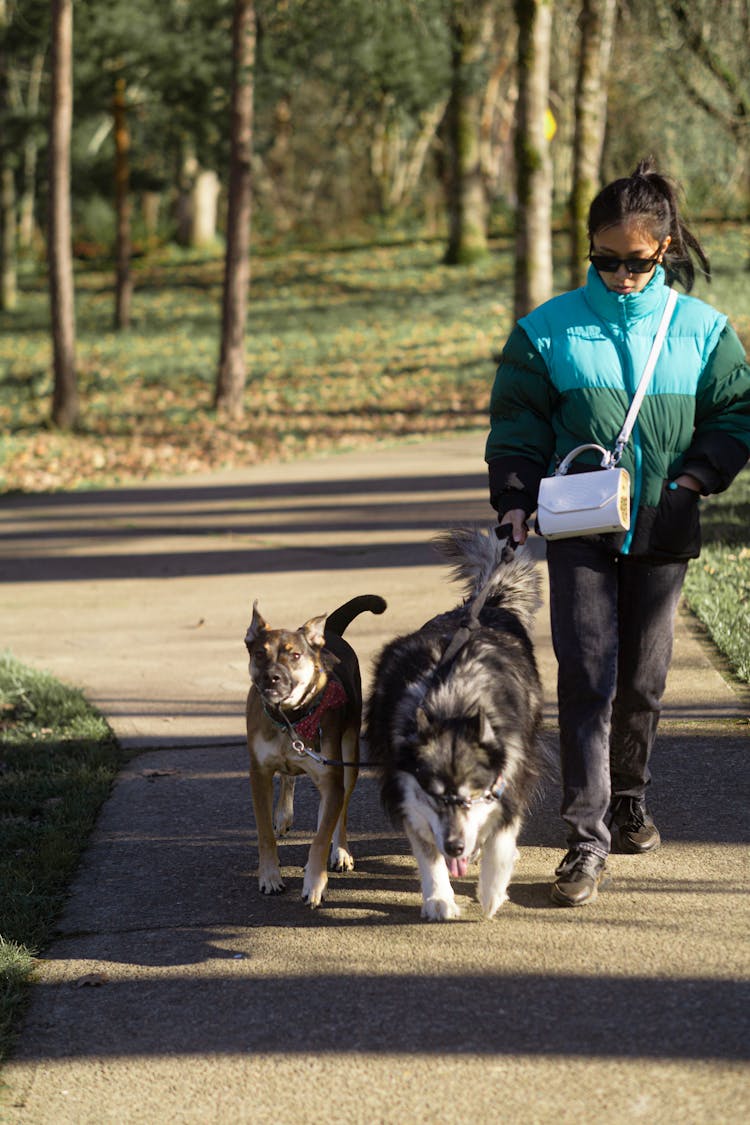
x=481 y=560
x=338 y=621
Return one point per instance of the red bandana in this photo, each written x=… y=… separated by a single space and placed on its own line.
x=334 y=696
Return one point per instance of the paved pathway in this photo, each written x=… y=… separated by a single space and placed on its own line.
x=217 y=1005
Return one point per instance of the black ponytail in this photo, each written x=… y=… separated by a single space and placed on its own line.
x=653 y=199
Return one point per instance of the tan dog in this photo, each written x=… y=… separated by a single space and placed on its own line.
x=304 y=718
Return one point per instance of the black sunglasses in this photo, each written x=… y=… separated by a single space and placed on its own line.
x=607 y=264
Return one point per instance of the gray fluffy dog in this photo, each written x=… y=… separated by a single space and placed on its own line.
x=453 y=722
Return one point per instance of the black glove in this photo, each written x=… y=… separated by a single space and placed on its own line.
x=505 y=531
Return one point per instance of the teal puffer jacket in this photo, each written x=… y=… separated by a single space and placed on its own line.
x=567 y=376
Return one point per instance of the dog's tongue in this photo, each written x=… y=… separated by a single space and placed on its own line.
x=457 y=868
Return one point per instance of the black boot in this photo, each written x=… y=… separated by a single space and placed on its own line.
x=633 y=830
x=579 y=877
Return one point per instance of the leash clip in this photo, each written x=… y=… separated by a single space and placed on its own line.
x=299 y=748
x=612 y=459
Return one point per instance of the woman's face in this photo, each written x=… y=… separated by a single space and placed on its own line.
x=630 y=250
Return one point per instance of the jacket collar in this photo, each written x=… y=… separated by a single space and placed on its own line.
x=625 y=308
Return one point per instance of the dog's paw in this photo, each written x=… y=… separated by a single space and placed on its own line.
x=440 y=909
x=340 y=860
x=282 y=822
x=275 y=887
x=314 y=898
x=314 y=890
x=271 y=883
x=491 y=903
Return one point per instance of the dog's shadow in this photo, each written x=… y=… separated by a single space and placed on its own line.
x=366 y=897
x=384 y=875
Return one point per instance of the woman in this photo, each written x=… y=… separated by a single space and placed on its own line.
x=566 y=377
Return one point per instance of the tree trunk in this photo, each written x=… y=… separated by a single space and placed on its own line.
x=197 y=202
x=398 y=156
x=11 y=82
x=8 y=271
x=30 y=154
x=498 y=115
x=150 y=208
x=186 y=182
x=230 y=380
x=471 y=28
x=533 y=266
x=65 y=395
x=280 y=165
x=205 y=200
x=123 y=209
x=596 y=23
x=386 y=150
x=429 y=123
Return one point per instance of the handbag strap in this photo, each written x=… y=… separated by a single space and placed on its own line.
x=624 y=435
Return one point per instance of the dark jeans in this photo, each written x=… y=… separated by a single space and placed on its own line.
x=612 y=630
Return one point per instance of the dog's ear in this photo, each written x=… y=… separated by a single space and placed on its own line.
x=313 y=630
x=256 y=626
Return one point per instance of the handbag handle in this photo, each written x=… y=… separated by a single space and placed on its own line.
x=566 y=462
x=624 y=434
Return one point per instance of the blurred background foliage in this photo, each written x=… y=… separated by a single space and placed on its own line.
x=349 y=110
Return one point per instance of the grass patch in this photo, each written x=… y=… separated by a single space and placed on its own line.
x=717 y=587
x=344 y=348
x=58 y=758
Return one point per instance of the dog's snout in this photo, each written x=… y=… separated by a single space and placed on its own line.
x=274 y=682
x=454 y=845
x=274 y=685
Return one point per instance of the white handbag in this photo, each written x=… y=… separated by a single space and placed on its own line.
x=584 y=503
x=592 y=503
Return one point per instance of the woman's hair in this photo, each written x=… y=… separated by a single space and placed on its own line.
x=652 y=200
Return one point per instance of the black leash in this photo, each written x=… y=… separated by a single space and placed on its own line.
x=471 y=623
